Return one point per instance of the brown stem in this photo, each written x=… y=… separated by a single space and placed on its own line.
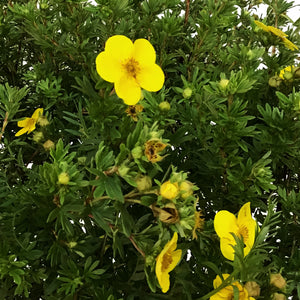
x=187 y=11
x=5 y=122
x=136 y=246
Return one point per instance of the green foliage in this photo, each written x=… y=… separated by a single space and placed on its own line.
x=75 y=223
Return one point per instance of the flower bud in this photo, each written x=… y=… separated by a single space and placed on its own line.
x=223 y=84
x=297 y=72
x=288 y=75
x=48 y=145
x=43 y=121
x=169 y=190
x=137 y=152
x=275 y=81
x=164 y=106
x=253 y=288
x=186 y=189
x=187 y=93
x=63 y=178
x=38 y=136
x=143 y=183
x=277 y=296
x=278 y=281
x=250 y=54
x=123 y=170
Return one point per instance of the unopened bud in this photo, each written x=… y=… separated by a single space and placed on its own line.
x=277 y=296
x=186 y=189
x=297 y=72
x=275 y=81
x=63 y=178
x=164 y=106
x=223 y=83
x=288 y=75
x=143 y=183
x=187 y=93
x=169 y=190
x=123 y=170
x=43 y=121
x=38 y=136
x=137 y=152
x=48 y=145
x=278 y=281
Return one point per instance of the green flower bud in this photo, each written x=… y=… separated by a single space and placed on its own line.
x=143 y=183
x=38 y=136
x=63 y=178
x=275 y=81
x=223 y=84
x=164 y=106
x=187 y=93
x=137 y=152
x=288 y=75
x=297 y=72
x=123 y=170
x=250 y=54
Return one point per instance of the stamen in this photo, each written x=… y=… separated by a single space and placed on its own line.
x=167 y=260
x=132 y=67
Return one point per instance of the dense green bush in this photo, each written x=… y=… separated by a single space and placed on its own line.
x=92 y=195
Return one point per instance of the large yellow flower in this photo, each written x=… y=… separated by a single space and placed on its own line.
x=166 y=261
x=244 y=226
x=130 y=66
x=227 y=292
x=287 y=43
x=29 y=123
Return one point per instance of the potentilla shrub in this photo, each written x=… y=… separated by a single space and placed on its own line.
x=149 y=150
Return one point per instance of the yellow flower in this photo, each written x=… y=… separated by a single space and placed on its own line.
x=286 y=70
x=29 y=123
x=130 y=66
x=152 y=148
x=166 y=261
x=244 y=226
x=287 y=43
x=169 y=190
x=186 y=189
x=133 y=111
x=227 y=292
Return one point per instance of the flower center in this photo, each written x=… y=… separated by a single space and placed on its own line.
x=243 y=232
x=167 y=260
x=132 y=67
x=30 y=122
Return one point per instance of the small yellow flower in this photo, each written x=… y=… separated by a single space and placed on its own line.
x=63 y=178
x=166 y=261
x=130 y=66
x=152 y=148
x=169 y=190
x=29 y=123
x=228 y=291
x=244 y=226
x=186 y=189
x=134 y=110
x=286 y=72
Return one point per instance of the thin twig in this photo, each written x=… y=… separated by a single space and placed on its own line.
x=136 y=246
x=187 y=11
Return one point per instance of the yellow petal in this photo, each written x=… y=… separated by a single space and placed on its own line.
x=37 y=113
x=164 y=282
x=262 y=25
x=288 y=44
x=30 y=127
x=23 y=123
x=119 y=46
x=22 y=131
x=226 y=248
x=224 y=223
x=176 y=256
x=218 y=281
x=277 y=32
x=108 y=67
x=151 y=78
x=128 y=90
x=143 y=52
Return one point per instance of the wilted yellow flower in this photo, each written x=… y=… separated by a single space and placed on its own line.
x=166 y=261
x=228 y=292
x=199 y=223
x=130 y=66
x=43 y=121
x=243 y=226
x=278 y=281
x=169 y=190
x=29 y=123
x=277 y=296
x=152 y=148
x=134 y=110
x=253 y=288
x=168 y=214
